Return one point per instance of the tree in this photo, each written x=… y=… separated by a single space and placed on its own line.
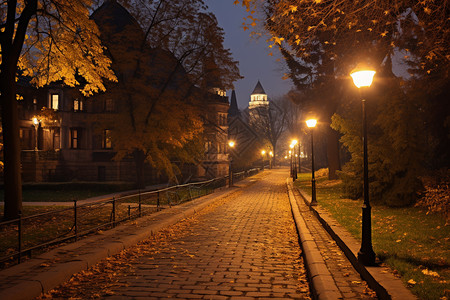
x=269 y=122
x=315 y=39
x=48 y=40
x=165 y=59
x=396 y=145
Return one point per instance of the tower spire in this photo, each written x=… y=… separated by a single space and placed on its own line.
x=233 y=111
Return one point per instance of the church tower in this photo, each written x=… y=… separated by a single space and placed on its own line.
x=258 y=97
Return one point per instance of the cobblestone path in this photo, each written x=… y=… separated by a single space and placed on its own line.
x=244 y=246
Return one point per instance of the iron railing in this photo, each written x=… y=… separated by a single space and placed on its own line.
x=20 y=237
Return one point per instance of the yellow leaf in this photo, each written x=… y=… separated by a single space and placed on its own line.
x=411 y=282
x=236 y=2
x=271 y=54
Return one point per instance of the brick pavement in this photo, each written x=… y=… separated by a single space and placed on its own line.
x=244 y=246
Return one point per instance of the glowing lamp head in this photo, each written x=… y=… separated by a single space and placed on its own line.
x=271 y=153
x=231 y=144
x=291 y=146
x=362 y=78
x=263 y=152
x=311 y=123
x=35 y=121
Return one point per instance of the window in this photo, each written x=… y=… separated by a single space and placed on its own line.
x=75 y=138
x=222 y=119
x=54 y=101
x=208 y=146
x=77 y=105
x=109 y=105
x=106 y=139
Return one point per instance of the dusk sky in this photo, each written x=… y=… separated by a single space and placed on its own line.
x=253 y=55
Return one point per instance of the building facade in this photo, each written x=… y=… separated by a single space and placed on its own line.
x=61 y=139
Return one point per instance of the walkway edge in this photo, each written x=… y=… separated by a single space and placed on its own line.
x=321 y=281
x=380 y=279
x=48 y=270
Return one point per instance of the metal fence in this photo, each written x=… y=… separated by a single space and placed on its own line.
x=22 y=236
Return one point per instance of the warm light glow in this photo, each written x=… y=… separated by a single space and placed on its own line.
x=291 y=146
x=311 y=123
x=285 y=157
x=231 y=144
x=289 y=152
x=263 y=152
x=271 y=153
x=363 y=78
x=294 y=142
x=35 y=121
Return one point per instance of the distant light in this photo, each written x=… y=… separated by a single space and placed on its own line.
x=35 y=121
x=294 y=142
x=311 y=123
x=263 y=152
x=363 y=78
x=271 y=153
x=231 y=144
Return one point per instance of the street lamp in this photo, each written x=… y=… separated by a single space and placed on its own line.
x=36 y=125
x=270 y=159
x=311 y=123
x=263 y=153
x=290 y=156
x=230 y=159
x=366 y=255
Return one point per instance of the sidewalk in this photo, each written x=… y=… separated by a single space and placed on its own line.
x=243 y=246
x=325 y=242
x=44 y=272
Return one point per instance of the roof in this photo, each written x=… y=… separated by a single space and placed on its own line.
x=258 y=89
x=233 y=110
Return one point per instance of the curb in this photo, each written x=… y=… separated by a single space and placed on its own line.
x=44 y=272
x=380 y=279
x=322 y=283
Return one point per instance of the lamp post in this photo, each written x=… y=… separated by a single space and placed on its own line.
x=290 y=156
x=263 y=153
x=293 y=143
x=311 y=123
x=36 y=125
x=366 y=255
x=270 y=159
x=298 y=152
x=230 y=160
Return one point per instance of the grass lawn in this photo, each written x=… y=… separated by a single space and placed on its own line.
x=413 y=243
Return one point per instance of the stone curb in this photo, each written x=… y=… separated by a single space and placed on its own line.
x=43 y=273
x=322 y=283
x=379 y=279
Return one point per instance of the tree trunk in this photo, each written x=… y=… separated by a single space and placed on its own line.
x=139 y=159
x=334 y=163
x=11 y=144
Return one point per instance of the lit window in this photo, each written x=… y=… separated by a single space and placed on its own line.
x=77 y=105
x=54 y=101
x=106 y=140
x=75 y=138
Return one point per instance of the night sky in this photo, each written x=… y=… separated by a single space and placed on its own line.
x=253 y=55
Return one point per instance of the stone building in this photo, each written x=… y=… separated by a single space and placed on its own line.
x=62 y=142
